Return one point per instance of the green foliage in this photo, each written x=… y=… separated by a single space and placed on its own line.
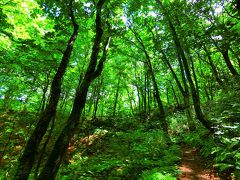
x=125 y=154
x=223 y=146
x=15 y=129
x=156 y=174
x=222 y=151
x=33 y=37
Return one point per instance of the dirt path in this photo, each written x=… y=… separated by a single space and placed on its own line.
x=193 y=166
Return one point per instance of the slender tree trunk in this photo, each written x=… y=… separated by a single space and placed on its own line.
x=27 y=159
x=162 y=113
x=148 y=94
x=184 y=91
x=145 y=93
x=229 y=63
x=45 y=88
x=94 y=93
x=174 y=95
x=96 y=100
x=130 y=100
x=138 y=89
x=55 y=158
x=91 y=100
x=43 y=150
x=224 y=52
x=96 y=106
x=167 y=92
x=180 y=51
x=194 y=74
x=63 y=104
x=141 y=102
x=139 y=99
x=116 y=96
x=235 y=55
x=191 y=123
x=213 y=68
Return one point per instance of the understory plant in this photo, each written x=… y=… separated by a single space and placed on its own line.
x=136 y=154
x=222 y=146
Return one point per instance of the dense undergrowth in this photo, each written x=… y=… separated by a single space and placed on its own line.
x=112 y=148
x=123 y=154
x=133 y=147
x=223 y=146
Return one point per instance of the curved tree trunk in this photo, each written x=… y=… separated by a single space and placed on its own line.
x=27 y=159
x=180 y=51
x=213 y=68
x=162 y=113
x=184 y=91
x=56 y=156
x=229 y=63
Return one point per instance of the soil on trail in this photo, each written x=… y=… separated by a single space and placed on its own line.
x=193 y=166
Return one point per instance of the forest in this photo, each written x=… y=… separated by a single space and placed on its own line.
x=126 y=89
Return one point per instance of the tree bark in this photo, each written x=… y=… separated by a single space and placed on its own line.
x=27 y=159
x=116 y=96
x=174 y=95
x=148 y=94
x=97 y=99
x=235 y=55
x=44 y=89
x=162 y=113
x=224 y=52
x=184 y=91
x=180 y=51
x=130 y=100
x=229 y=63
x=55 y=158
x=213 y=68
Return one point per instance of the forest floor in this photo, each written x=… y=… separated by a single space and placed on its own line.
x=195 y=167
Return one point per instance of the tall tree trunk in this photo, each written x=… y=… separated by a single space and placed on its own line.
x=26 y=160
x=96 y=100
x=139 y=99
x=148 y=94
x=43 y=150
x=193 y=72
x=167 y=92
x=229 y=63
x=162 y=114
x=180 y=51
x=145 y=91
x=184 y=91
x=138 y=89
x=55 y=158
x=45 y=88
x=130 y=100
x=224 y=52
x=91 y=99
x=174 y=95
x=116 y=96
x=213 y=67
x=235 y=55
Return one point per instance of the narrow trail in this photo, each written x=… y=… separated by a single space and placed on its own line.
x=193 y=166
